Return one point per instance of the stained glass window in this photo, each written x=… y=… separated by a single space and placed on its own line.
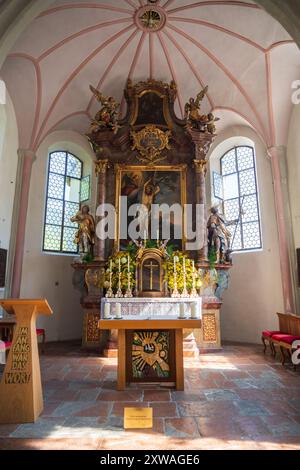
x=240 y=197
x=63 y=198
x=85 y=189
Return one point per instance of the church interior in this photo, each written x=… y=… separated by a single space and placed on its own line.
x=149 y=224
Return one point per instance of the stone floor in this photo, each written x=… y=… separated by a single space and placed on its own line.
x=235 y=399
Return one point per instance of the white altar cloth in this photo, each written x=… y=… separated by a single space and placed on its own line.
x=152 y=307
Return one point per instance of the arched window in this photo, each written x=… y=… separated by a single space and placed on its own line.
x=236 y=186
x=66 y=188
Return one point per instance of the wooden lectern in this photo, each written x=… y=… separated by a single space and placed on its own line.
x=21 y=396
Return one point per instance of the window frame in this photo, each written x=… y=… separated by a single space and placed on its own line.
x=241 y=196
x=61 y=251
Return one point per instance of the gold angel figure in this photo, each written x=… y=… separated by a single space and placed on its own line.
x=108 y=115
x=194 y=118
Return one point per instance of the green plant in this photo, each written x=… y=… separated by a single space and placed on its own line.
x=190 y=270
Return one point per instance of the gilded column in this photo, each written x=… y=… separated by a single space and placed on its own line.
x=100 y=169
x=200 y=168
x=26 y=160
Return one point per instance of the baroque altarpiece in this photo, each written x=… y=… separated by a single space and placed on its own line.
x=151 y=156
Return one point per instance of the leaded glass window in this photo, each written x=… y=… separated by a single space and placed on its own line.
x=63 y=199
x=240 y=197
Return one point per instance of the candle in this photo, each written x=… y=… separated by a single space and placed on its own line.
x=181 y=310
x=128 y=263
x=193 y=264
x=145 y=236
x=174 y=264
x=194 y=310
x=110 y=266
x=157 y=236
x=118 y=310
x=106 y=310
x=119 y=265
x=184 y=265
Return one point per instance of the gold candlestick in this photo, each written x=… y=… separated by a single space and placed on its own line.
x=128 y=292
x=184 y=292
x=119 y=292
x=175 y=292
x=109 y=292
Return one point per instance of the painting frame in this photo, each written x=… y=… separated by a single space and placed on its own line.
x=120 y=169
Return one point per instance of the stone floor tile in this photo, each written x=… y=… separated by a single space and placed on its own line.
x=181 y=428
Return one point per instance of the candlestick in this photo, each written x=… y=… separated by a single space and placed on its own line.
x=119 y=292
x=184 y=292
x=194 y=292
x=128 y=292
x=109 y=292
x=157 y=236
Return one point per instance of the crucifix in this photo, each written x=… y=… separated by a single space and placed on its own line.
x=151 y=266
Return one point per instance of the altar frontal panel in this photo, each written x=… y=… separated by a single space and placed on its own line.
x=150 y=356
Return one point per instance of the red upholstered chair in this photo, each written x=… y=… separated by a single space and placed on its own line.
x=266 y=338
x=7 y=345
x=41 y=332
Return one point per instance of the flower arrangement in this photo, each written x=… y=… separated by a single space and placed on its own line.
x=118 y=262
x=176 y=262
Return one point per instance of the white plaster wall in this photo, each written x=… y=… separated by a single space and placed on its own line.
x=50 y=275
x=255 y=292
x=8 y=170
x=293 y=160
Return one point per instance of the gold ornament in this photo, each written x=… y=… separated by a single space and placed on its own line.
x=150 y=142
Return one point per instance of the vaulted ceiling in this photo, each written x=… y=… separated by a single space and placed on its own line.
x=248 y=60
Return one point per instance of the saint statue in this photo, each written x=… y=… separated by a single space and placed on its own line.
x=218 y=235
x=85 y=235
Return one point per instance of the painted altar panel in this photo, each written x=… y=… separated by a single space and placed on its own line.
x=168 y=185
x=150 y=355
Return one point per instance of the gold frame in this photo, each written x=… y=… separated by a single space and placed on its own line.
x=121 y=168
x=166 y=111
x=155 y=254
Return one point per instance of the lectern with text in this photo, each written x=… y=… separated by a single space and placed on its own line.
x=21 y=397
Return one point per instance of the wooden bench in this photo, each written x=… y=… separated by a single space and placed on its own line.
x=289 y=331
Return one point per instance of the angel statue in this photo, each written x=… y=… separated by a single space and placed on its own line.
x=196 y=120
x=85 y=235
x=107 y=117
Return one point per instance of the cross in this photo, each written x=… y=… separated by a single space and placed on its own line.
x=151 y=266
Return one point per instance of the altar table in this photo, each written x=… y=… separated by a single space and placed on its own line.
x=132 y=324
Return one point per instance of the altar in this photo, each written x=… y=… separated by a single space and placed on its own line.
x=155 y=277
x=150 y=337
x=150 y=308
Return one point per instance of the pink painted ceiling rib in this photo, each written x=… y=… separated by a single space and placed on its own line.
x=215 y=3
x=172 y=70
x=112 y=63
x=218 y=28
x=190 y=63
x=214 y=42
x=74 y=6
x=226 y=72
x=81 y=33
x=75 y=73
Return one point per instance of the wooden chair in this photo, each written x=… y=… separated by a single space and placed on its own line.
x=40 y=332
x=268 y=334
x=285 y=339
